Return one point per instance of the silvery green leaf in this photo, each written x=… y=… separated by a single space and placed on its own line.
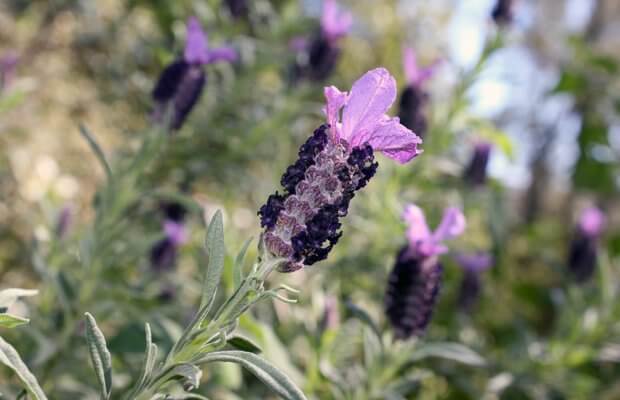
x=215 y=253
x=150 y=357
x=9 y=296
x=100 y=356
x=241 y=342
x=267 y=373
x=188 y=374
x=94 y=146
x=364 y=317
x=11 y=321
x=449 y=351
x=238 y=267
x=10 y=358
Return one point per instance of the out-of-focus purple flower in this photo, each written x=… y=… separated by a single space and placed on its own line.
x=164 y=252
x=238 y=8
x=302 y=224
x=476 y=172
x=415 y=280
x=583 y=252
x=331 y=315
x=471 y=286
x=502 y=12
x=323 y=50
x=8 y=65
x=413 y=99
x=63 y=223
x=182 y=82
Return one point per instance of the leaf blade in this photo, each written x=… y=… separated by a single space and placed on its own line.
x=100 y=356
x=215 y=252
x=10 y=357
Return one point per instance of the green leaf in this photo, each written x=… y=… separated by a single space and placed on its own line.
x=238 y=267
x=449 y=351
x=100 y=356
x=188 y=374
x=215 y=252
x=150 y=357
x=362 y=315
x=267 y=373
x=11 y=321
x=241 y=342
x=10 y=358
x=94 y=146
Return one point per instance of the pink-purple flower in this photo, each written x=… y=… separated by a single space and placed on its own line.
x=473 y=264
x=583 y=251
x=182 y=82
x=302 y=224
x=335 y=24
x=422 y=242
x=592 y=221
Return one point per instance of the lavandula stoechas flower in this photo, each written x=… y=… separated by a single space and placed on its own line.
x=502 y=12
x=582 y=256
x=413 y=284
x=471 y=286
x=302 y=224
x=238 y=8
x=164 y=252
x=413 y=99
x=323 y=50
x=476 y=172
x=63 y=222
x=8 y=64
x=182 y=82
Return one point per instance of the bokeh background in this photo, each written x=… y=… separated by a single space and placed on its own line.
x=543 y=89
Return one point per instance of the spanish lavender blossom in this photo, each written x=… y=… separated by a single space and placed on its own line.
x=583 y=255
x=471 y=286
x=238 y=8
x=164 y=252
x=182 y=82
x=415 y=280
x=476 y=172
x=63 y=223
x=502 y=12
x=302 y=224
x=331 y=315
x=413 y=99
x=323 y=50
x=8 y=64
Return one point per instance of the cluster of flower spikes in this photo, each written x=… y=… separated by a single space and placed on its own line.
x=182 y=82
x=303 y=223
x=414 y=282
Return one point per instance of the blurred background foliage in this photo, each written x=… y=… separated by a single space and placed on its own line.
x=543 y=89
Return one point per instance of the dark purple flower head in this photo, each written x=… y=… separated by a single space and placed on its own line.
x=8 y=64
x=414 y=282
x=63 y=223
x=476 y=172
x=238 y=8
x=583 y=252
x=412 y=291
x=303 y=223
x=471 y=286
x=182 y=82
x=164 y=252
x=502 y=12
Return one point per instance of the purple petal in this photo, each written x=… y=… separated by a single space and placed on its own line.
x=475 y=262
x=335 y=101
x=417 y=229
x=175 y=232
x=196 y=48
x=393 y=139
x=225 y=53
x=334 y=24
x=410 y=65
x=592 y=221
x=369 y=99
x=452 y=225
x=298 y=44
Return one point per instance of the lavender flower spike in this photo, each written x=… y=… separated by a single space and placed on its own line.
x=476 y=172
x=471 y=285
x=164 y=252
x=182 y=82
x=583 y=253
x=502 y=12
x=413 y=284
x=303 y=223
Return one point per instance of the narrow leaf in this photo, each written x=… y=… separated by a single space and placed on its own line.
x=150 y=357
x=449 y=351
x=94 y=146
x=188 y=374
x=241 y=342
x=238 y=267
x=270 y=375
x=10 y=358
x=364 y=317
x=11 y=321
x=215 y=253
x=100 y=356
